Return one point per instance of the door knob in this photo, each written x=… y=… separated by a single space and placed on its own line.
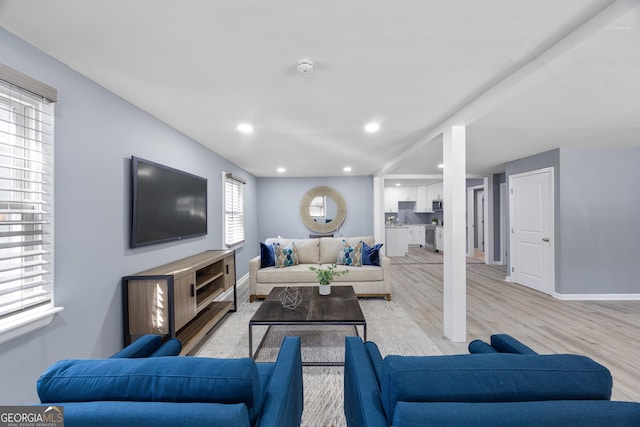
x=545 y=239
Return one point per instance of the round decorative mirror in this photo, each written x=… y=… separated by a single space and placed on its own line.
x=323 y=210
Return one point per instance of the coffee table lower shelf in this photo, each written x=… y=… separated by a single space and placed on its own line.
x=254 y=355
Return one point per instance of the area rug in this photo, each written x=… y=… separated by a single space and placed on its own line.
x=387 y=324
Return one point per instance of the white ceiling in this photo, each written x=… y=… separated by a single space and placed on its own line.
x=524 y=76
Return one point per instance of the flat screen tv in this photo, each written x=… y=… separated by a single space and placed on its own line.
x=167 y=204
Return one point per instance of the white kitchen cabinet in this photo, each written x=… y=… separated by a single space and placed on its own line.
x=416 y=234
x=440 y=239
x=406 y=194
x=435 y=192
x=423 y=204
x=390 y=199
x=396 y=241
x=393 y=195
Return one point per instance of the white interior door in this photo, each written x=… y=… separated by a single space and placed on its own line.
x=531 y=218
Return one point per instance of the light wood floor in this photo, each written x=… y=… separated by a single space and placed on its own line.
x=606 y=331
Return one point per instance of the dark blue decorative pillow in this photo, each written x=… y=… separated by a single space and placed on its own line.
x=371 y=254
x=267 y=256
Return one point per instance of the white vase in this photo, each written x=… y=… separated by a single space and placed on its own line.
x=324 y=289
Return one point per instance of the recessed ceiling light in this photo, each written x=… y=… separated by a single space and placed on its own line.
x=245 y=128
x=372 y=127
x=398 y=185
x=441 y=165
x=281 y=170
x=347 y=169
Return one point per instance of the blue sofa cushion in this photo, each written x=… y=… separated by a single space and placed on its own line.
x=172 y=347
x=267 y=256
x=552 y=413
x=154 y=414
x=492 y=378
x=142 y=347
x=371 y=254
x=157 y=379
x=479 y=346
x=507 y=344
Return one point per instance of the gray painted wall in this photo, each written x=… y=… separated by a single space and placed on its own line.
x=279 y=205
x=96 y=134
x=596 y=215
x=599 y=212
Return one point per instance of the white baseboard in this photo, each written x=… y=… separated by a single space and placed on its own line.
x=596 y=297
x=589 y=297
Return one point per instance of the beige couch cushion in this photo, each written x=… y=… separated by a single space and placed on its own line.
x=330 y=247
x=301 y=274
x=296 y=273
x=307 y=249
x=366 y=273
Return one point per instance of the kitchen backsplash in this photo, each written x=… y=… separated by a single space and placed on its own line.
x=408 y=216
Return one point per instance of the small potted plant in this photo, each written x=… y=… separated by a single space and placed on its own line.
x=325 y=275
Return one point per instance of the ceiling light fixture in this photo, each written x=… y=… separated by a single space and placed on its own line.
x=372 y=127
x=245 y=128
x=281 y=170
x=441 y=165
x=398 y=185
x=347 y=169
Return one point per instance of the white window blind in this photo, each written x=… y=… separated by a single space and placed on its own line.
x=233 y=210
x=26 y=204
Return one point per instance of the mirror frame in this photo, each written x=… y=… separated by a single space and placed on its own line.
x=305 y=213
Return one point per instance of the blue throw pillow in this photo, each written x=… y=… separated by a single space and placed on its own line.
x=267 y=256
x=371 y=254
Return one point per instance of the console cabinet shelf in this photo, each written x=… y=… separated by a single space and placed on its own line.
x=179 y=299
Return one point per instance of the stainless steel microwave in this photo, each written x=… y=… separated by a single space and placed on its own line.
x=437 y=206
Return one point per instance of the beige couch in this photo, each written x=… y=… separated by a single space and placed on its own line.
x=367 y=281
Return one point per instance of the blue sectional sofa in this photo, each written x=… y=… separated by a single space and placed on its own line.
x=511 y=388
x=177 y=391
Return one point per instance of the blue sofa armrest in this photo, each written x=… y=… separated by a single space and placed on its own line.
x=480 y=347
x=500 y=343
x=142 y=347
x=171 y=347
x=507 y=344
x=149 y=345
x=362 y=403
x=283 y=400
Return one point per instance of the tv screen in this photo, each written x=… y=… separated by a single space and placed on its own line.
x=167 y=204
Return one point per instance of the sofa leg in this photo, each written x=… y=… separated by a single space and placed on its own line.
x=252 y=298
x=388 y=297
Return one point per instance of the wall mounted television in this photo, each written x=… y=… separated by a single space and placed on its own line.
x=166 y=204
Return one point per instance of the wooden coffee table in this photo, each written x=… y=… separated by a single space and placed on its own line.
x=341 y=307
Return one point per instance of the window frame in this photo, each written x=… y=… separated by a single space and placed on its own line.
x=26 y=200
x=233 y=211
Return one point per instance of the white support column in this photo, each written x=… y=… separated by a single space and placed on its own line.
x=455 y=261
x=378 y=209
